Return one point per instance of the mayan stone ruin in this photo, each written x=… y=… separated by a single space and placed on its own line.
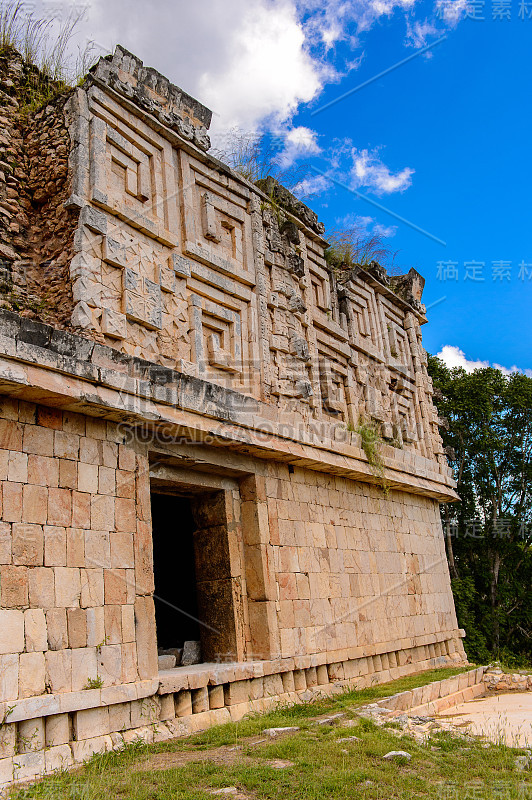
x=191 y=527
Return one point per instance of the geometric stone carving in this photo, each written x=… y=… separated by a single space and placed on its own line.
x=166 y=279
x=113 y=252
x=208 y=215
x=81 y=316
x=131 y=164
x=299 y=347
x=244 y=283
x=142 y=300
x=320 y=288
x=94 y=219
x=217 y=335
x=219 y=357
x=408 y=434
x=167 y=102
x=180 y=265
x=86 y=290
x=290 y=369
x=374 y=404
x=114 y=324
x=127 y=175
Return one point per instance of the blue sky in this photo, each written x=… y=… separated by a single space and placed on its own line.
x=441 y=141
x=459 y=120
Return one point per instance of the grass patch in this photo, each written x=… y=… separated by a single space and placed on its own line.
x=323 y=766
x=45 y=44
x=355 y=246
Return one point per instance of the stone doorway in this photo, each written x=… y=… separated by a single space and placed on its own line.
x=175 y=595
x=197 y=595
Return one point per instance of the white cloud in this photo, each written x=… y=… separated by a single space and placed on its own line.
x=370 y=12
x=331 y=34
x=511 y=370
x=311 y=186
x=418 y=34
x=254 y=63
x=380 y=7
x=248 y=62
x=269 y=72
x=335 y=20
x=369 y=172
x=367 y=225
x=298 y=142
x=455 y=357
x=355 y=62
x=386 y=231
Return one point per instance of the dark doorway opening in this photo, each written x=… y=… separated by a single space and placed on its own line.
x=176 y=603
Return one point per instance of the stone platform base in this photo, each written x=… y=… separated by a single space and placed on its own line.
x=44 y=734
x=435 y=698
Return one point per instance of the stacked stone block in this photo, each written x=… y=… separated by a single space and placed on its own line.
x=342 y=552
x=70 y=569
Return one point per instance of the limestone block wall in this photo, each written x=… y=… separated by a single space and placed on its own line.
x=328 y=582
x=75 y=570
x=353 y=567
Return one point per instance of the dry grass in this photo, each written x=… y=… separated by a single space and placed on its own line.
x=46 y=48
x=355 y=246
x=256 y=156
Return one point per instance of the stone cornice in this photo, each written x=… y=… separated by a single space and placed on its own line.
x=43 y=364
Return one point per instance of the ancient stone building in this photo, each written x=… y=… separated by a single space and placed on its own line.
x=183 y=379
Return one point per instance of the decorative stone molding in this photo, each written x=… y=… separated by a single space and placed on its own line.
x=152 y=92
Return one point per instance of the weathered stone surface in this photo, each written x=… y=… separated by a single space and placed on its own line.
x=9 y=676
x=145 y=637
x=274 y=732
x=191 y=654
x=57 y=730
x=32 y=672
x=11 y=631
x=58 y=758
x=91 y=723
x=166 y=662
x=183 y=704
x=42 y=588
x=13 y=586
x=399 y=755
x=35 y=630
x=31 y=735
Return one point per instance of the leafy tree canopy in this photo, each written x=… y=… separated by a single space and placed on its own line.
x=487 y=430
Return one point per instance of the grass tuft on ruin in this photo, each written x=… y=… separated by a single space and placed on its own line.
x=45 y=47
x=372 y=442
x=354 y=246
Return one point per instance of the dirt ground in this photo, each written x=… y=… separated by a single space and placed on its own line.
x=501 y=718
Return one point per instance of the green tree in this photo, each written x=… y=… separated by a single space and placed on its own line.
x=487 y=430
